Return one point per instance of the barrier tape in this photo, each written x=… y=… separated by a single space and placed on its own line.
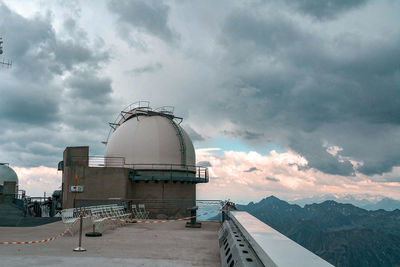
x=39 y=241
x=109 y=219
x=166 y=221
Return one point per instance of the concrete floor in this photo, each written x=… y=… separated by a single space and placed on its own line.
x=164 y=244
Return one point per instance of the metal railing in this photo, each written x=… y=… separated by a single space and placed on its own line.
x=140 y=108
x=40 y=200
x=163 y=208
x=195 y=173
x=136 y=105
x=98 y=161
x=165 y=167
x=199 y=172
x=20 y=194
x=166 y=110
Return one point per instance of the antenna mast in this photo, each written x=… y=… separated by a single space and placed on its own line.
x=7 y=63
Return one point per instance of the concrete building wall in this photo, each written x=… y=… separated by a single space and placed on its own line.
x=103 y=183
x=161 y=190
x=98 y=183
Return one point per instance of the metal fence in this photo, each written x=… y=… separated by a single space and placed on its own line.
x=98 y=161
x=162 y=209
x=200 y=172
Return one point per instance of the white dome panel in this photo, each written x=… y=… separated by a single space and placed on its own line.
x=150 y=140
x=7 y=174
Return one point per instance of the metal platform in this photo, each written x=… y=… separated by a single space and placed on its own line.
x=163 y=244
x=192 y=174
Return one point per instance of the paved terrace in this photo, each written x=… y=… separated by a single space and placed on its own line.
x=164 y=244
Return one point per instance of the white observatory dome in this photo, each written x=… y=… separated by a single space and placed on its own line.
x=150 y=140
x=7 y=174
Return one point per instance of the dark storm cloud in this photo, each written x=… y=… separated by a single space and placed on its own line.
x=252 y=169
x=86 y=85
x=39 y=115
x=271 y=179
x=195 y=136
x=267 y=34
x=309 y=89
x=146 y=69
x=326 y=9
x=37 y=52
x=31 y=146
x=149 y=16
x=72 y=28
x=27 y=105
x=303 y=84
x=248 y=135
x=23 y=98
x=69 y=53
x=204 y=164
x=317 y=157
x=27 y=43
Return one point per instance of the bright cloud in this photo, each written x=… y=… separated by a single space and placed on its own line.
x=285 y=175
x=37 y=180
x=318 y=85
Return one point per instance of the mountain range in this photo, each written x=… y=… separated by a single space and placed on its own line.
x=342 y=234
x=365 y=201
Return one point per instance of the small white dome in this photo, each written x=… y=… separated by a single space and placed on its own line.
x=144 y=140
x=7 y=174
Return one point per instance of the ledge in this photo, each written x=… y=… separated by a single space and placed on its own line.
x=273 y=248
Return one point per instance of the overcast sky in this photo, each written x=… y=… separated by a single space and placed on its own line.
x=291 y=98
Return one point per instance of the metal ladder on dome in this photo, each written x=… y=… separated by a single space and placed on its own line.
x=181 y=142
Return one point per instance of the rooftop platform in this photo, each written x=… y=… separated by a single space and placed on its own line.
x=164 y=244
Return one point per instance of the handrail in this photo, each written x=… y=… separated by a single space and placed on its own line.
x=139 y=105
x=165 y=109
x=93 y=159
x=130 y=107
x=200 y=172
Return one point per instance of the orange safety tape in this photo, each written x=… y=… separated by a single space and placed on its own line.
x=39 y=241
x=110 y=219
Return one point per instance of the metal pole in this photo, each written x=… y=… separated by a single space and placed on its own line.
x=80 y=248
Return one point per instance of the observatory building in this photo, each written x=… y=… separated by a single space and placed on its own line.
x=8 y=183
x=148 y=156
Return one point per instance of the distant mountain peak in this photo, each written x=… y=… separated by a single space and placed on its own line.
x=364 y=201
x=273 y=199
x=341 y=233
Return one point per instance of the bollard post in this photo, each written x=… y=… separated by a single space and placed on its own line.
x=80 y=248
x=94 y=233
x=193 y=223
